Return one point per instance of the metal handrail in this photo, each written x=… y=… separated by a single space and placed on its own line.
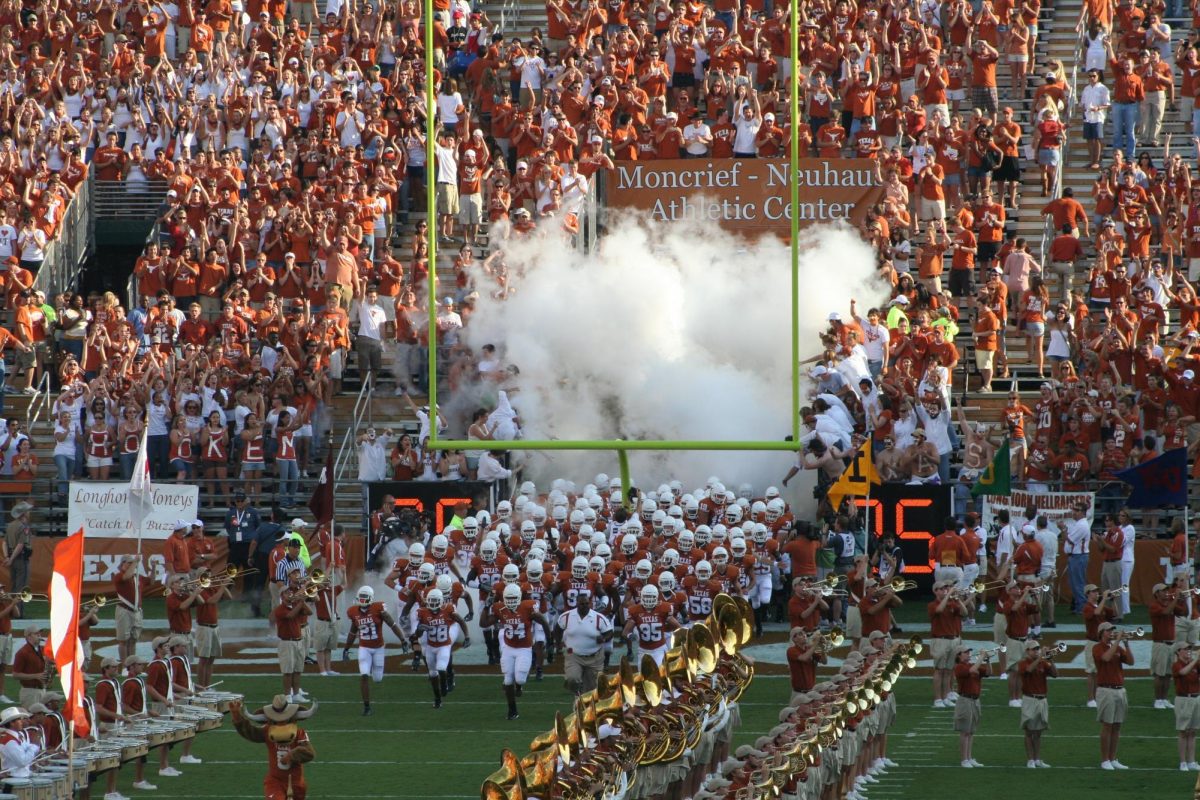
x=39 y=402
x=347 y=451
x=122 y=199
x=69 y=249
x=1048 y=231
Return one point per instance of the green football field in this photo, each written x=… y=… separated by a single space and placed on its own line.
x=409 y=750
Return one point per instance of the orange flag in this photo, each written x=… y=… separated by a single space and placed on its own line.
x=63 y=646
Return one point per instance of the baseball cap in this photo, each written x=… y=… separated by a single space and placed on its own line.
x=1091 y=587
x=1105 y=626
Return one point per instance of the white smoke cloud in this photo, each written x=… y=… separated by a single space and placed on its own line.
x=669 y=331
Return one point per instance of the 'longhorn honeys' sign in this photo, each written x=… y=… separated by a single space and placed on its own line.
x=746 y=194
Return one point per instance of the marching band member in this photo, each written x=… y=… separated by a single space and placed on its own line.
x=290 y=617
x=133 y=704
x=806 y=606
x=1112 y=654
x=514 y=616
x=1187 y=612
x=1098 y=608
x=876 y=606
x=325 y=629
x=946 y=614
x=108 y=715
x=367 y=620
x=182 y=597
x=969 y=674
x=208 y=619
x=30 y=668
x=17 y=752
x=9 y=610
x=182 y=687
x=1187 y=702
x=437 y=630
x=1034 y=668
x=130 y=589
x=161 y=697
x=1162 y=630
x=802 y=658
x=1017 y=607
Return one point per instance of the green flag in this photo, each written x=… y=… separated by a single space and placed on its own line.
x=997 y=478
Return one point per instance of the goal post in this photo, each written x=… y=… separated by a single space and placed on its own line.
x=620 y=446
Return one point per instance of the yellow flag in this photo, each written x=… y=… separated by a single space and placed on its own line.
x=857 y=478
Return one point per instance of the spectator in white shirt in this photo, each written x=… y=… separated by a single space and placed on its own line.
x=697 y=137
x=746 y=127
x=1077 y=532
x=369 y=341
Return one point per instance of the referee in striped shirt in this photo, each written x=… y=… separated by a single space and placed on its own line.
x=290 y=561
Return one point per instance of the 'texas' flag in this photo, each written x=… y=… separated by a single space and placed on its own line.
x=1158 y=482
x=63 y=646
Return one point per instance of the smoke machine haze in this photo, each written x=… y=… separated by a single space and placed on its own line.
x=669 y=331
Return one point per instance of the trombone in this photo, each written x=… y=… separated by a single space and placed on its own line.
x=96 y=603
x=825 y=642
x=979 y=587
x=24 y=596
x=317 y=582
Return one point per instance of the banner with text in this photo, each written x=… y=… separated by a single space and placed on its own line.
x=1055 y=505
x=102 y=509
x=746 y=194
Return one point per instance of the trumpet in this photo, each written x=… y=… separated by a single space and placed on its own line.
x=1061 y=647
x=1136 y=633
x=24 y=596
x=901 y=585
x=986 y=655
x=828 y=641
x=1121 y=590
x=317 y=582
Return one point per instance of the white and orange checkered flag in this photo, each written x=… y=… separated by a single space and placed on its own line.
x=63 y=646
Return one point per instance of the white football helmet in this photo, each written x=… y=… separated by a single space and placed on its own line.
x=470 y=528
x=733 y=514
x=648 y=509
x=426 y=573
x=539 y=515
x=589 y=516
x=511 y=573
x=669 y=558
x=504 y=510
x=583 y=549
x=649 y=596
x=484 y=519
x=758 y=509
x=691 y=506
x=439 y=545
x=738 y=547
x=666 y=583
x=559 y=514
x=746 y=491
x=416 y=553
x=502 y=531
x=512 y=596
x=488 y=551
x=658 y=519
x=717 y=493
x=534 y=568
x=445 y=584
x=771 y=493
x=603 y=551
x=577 y=519
x=675 y=512
x=528 y=489
x=601 y=480
x=686 y=541
x=434 y=600
x=629 y=544
x=644 y=569
x=366 y=595
x=676 y=489
x=528 y=530
x=633 y=527
x=720 y=556
x=579 y=567
x=703 y=570
x=719 y=533
x=703 y=535
x=775 y=508
x=761 y=533
x=596 y=565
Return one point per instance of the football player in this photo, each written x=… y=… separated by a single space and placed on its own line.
x=367 y=620
x=486 y=568
x=700 y=589
x=514 y=616
x=437 y=629
x=653 y=621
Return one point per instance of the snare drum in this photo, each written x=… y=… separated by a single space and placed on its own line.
x=79 y=770
x=103 y=760
x=30 y=788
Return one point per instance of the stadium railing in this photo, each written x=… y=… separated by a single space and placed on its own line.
x=67 y=252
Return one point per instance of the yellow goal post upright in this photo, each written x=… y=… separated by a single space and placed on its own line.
x=620 y=446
